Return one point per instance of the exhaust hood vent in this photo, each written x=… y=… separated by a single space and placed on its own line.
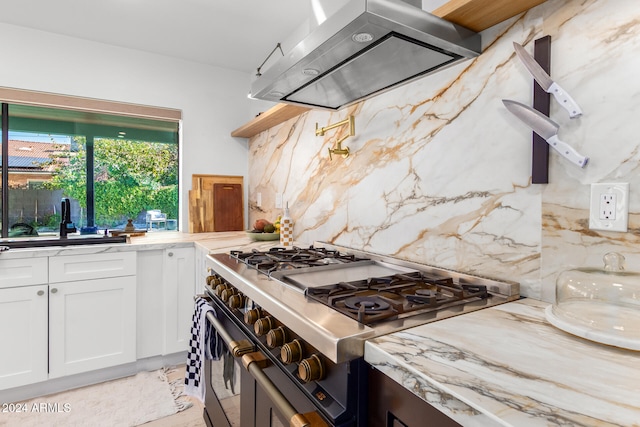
x=365 y=48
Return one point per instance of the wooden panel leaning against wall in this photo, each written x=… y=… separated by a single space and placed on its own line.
x=216 y=203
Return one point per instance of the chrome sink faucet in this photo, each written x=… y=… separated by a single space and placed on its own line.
x=66 y=226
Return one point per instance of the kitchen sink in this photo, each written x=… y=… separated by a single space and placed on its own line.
x=40 y=242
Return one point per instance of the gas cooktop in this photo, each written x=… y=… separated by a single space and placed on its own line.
x=337 y=297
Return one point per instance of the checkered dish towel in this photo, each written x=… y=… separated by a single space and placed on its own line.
x=204 y=344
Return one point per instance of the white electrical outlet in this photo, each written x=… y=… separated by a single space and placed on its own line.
x=259 y=200
x=278 y=200
x=609 y=206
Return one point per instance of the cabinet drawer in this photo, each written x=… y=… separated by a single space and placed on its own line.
x=93 y=266
x=23 y=272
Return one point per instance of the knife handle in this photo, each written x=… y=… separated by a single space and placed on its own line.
x=567 y=151
x=565 y=100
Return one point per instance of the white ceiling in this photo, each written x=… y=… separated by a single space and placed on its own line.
x=236 y=34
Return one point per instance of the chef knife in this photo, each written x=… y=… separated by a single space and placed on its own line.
x=546 y=83
x=547 y=129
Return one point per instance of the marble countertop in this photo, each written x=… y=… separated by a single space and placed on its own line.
x=213 y=242
x=508 y=366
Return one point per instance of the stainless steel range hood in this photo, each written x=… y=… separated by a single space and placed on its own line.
x=365 y=48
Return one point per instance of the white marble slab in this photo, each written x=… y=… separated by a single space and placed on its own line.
x=507 y=366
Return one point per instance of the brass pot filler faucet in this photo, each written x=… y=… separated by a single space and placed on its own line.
x=344 y=152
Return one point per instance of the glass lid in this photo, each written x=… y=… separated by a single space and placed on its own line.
x=601 y=305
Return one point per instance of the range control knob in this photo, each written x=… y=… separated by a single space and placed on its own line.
x=276 y=337
x=221 y=287
x=251 y=316
x=311 y=369
x=262 y=326
x=291 y=352
x=226 y=293
x=235 y=301
x=214 y=280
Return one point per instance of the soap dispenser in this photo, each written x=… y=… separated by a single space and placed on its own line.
x=286 y=228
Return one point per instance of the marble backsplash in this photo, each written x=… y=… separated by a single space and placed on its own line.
x=440 y=171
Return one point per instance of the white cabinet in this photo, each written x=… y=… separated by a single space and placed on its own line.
x=64 y=315
x=23 y=328
x=23 y=272
x=92 y=312
x=165 y=300
x=178 y=284
x=70 y=268
x=77 y=312
x=150 y=308
x=92 y=325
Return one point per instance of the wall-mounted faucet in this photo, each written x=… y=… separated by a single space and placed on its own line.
x=344 y=152
x=66 y=226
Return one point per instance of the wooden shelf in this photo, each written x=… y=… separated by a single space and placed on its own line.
x=477 y=15
x=273 y=116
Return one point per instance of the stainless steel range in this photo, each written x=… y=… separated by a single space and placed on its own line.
x=298 y=318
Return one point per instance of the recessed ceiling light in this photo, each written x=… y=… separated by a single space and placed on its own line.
x=362 y=37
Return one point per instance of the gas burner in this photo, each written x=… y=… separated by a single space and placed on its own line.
x=277 y=259
x=368 y=304
x=425 y=296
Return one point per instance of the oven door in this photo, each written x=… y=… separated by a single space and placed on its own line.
x=244 y=389
x=223 y=378
x=274 y=397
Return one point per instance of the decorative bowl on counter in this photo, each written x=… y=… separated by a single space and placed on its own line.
x=599 y=305
x=263 y=237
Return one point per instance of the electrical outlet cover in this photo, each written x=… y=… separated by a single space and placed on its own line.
x=609 y=206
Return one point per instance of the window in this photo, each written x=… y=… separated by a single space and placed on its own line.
x=112 y=167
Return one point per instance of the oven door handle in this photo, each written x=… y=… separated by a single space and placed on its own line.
x=255 y=363
x=236 y=348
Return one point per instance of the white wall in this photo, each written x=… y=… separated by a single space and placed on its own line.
x=213 y=100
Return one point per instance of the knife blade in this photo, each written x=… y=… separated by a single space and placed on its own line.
x=546 y=83
x=547 y=129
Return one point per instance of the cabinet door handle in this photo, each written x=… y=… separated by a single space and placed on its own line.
x=170 y=254
x=54 y=290
x=40 y=293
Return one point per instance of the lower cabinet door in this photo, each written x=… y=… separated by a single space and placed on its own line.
x=392 y=405
x=23 y=328
x=179 y=278
x=92 y=325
